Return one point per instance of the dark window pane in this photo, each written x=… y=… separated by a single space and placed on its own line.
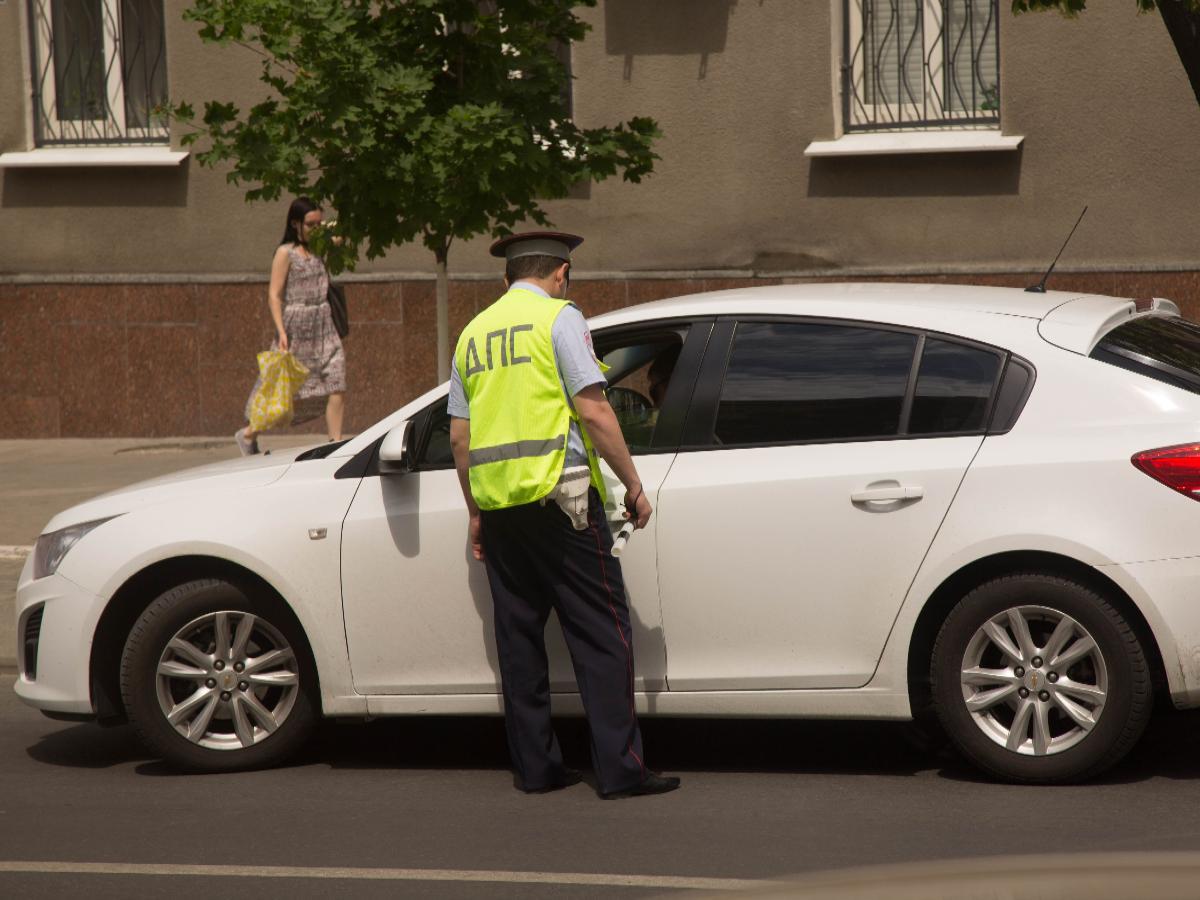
x=953 y=388
x=1169 y=340
x=143 y=60
x=639 y=375
x=79 y=65
x=436 y=454
x=807 y=382
x=562 y=49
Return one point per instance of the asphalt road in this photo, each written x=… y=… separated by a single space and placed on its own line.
x=431 y=800
x=426 y=807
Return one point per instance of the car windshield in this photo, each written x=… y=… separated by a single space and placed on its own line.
x=1166 y=348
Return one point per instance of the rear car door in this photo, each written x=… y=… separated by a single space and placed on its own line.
x=818 y=461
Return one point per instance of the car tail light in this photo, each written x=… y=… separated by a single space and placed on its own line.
x=1177 y=467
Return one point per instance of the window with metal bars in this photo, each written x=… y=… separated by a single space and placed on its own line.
x=920 y=64
x=99 y=71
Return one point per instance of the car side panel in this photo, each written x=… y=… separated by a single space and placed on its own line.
x=1062 y=482
x=265 y=530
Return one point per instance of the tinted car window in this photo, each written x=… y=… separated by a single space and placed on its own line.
x=789 y=382
x=954 y=387
x=638 y=377
x=1167 y=349
x=436 y=454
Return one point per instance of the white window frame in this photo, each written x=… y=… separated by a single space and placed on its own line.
x=885 y=117
x=42 y=18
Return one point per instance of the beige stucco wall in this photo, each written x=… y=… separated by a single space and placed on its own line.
x=14 y=77
x=740 y=87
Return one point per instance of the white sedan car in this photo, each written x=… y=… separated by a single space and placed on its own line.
x=872 y=501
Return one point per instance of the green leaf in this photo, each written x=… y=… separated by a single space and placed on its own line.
x=430 y=120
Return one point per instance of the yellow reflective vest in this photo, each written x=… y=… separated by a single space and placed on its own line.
x=519 y=413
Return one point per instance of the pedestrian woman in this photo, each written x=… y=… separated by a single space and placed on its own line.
x=304 y=326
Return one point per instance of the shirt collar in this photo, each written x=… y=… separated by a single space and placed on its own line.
x=528 y=286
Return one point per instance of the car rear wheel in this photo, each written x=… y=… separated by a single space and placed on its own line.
x=1038 y=679
x=216 y=680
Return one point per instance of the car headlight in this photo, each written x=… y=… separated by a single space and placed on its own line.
x=52 y=547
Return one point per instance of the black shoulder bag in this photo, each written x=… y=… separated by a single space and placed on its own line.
x=336 y=295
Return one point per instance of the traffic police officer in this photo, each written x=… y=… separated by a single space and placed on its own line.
x=528 y=418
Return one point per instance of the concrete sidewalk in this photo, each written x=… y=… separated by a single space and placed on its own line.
x=39 y=479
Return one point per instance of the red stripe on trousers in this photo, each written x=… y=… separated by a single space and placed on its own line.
x=621 y=635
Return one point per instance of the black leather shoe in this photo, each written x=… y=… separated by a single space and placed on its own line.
x=569 y=777
x=651 y=784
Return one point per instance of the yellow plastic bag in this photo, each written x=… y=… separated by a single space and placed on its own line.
x=280 y=377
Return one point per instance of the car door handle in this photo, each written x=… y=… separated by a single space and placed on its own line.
x=885 y=494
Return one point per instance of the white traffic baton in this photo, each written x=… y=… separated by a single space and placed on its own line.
x=622 y=538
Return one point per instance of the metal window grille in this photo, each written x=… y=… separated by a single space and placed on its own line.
x=920 y=64
x=99 y=71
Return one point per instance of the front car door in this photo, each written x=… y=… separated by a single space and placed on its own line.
x=819 y=459
x=417 y=606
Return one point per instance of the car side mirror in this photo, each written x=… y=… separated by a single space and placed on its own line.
x=395 y=453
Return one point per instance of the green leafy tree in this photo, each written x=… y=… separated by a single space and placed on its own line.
x=1182 y=18
x=430 y=119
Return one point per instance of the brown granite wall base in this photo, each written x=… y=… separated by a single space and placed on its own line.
x=153 y=360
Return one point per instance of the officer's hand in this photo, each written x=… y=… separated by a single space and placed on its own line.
x=476 y=538
x=638 y=508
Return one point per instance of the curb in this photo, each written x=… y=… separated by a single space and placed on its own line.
x=1072 y=876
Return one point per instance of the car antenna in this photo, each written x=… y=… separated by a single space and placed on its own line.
x=1040 y=287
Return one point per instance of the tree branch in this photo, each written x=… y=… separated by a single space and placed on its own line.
x=268 y=57
x=1183 y=24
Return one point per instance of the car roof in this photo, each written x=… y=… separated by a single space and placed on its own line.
x=899 y=303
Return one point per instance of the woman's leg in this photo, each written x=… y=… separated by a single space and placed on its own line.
x=335 y=408
x=247 y=440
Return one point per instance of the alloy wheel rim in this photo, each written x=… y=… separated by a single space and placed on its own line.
x=1034 y=680
x=227 y=680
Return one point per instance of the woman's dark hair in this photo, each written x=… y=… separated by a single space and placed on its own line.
x=300 y=208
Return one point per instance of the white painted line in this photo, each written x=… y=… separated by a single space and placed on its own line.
x=14 y=551
x=674 y=882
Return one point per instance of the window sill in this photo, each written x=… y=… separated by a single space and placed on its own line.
x=92 y=157
x=892 y=143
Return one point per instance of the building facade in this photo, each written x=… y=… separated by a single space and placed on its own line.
x=803 y=140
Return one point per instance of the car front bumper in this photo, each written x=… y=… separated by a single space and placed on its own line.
x=55 y=623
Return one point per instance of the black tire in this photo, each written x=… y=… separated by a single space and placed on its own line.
x=190 y=609
x=1118 y=660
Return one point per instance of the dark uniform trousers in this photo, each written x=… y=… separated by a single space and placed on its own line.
x=536 y=561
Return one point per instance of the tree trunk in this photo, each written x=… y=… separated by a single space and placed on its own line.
x=443 y=318
x=1183 y=24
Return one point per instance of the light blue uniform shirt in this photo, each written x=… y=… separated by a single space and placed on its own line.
x=577 y=369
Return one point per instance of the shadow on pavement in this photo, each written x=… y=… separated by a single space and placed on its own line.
x=676 y=745
x=88 y=747
x=1170 y=747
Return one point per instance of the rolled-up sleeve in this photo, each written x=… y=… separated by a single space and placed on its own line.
x=573 y=351
x=457 y=405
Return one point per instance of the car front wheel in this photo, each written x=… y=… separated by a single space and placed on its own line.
x=1038 y=679
x=216 y=680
